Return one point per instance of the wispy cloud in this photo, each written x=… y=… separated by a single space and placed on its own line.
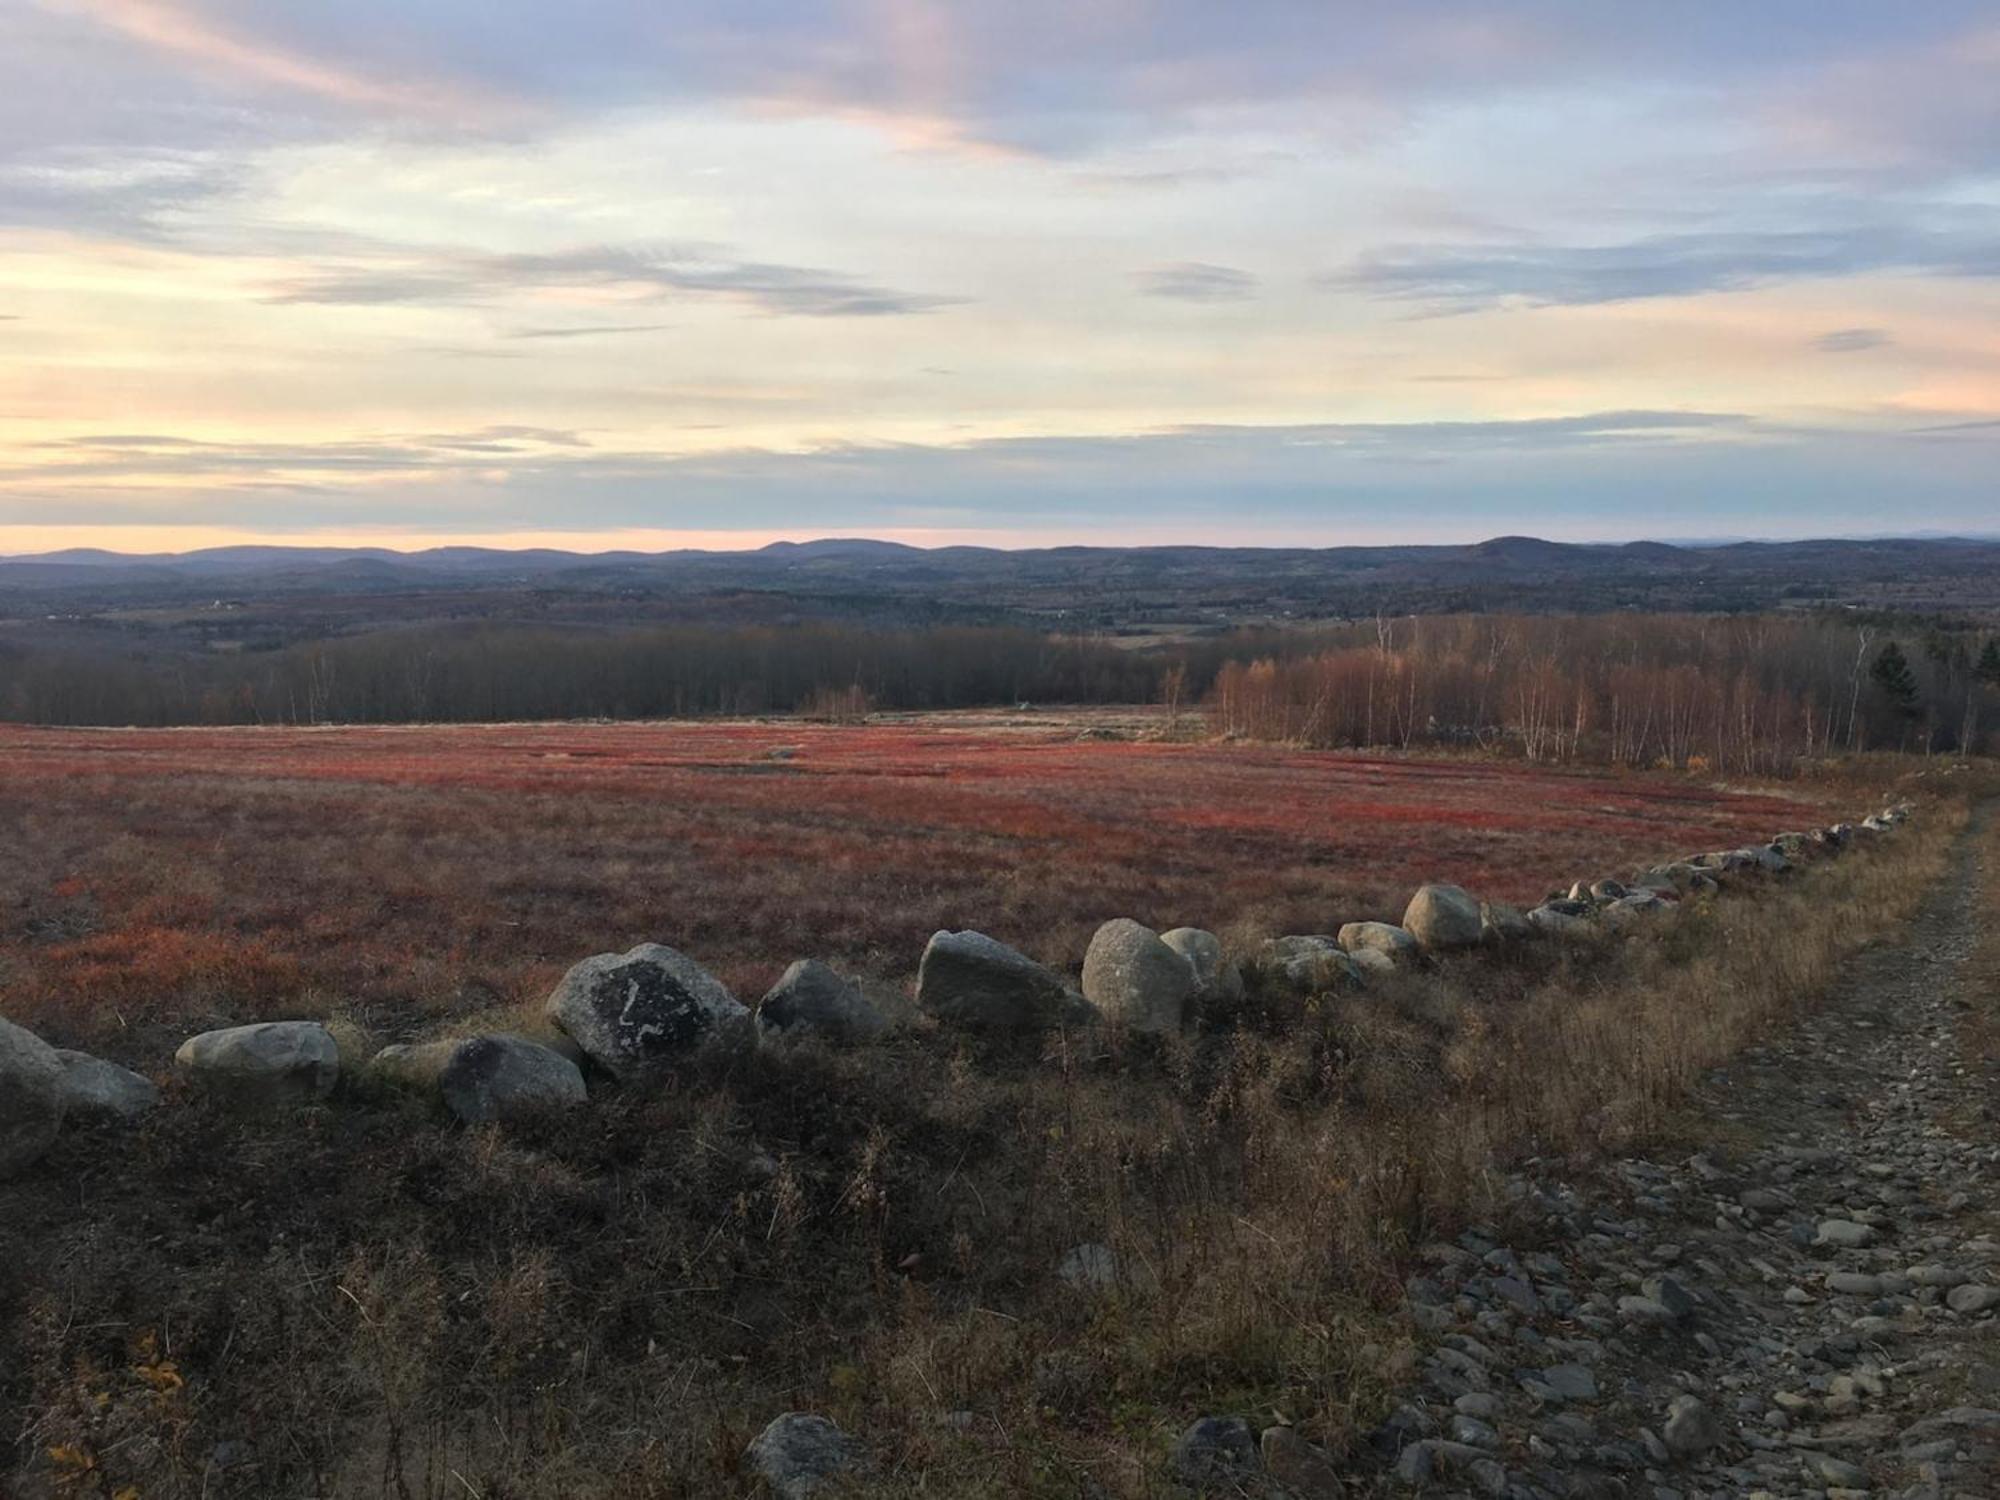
x=1454 y=278
x=642 y=273
x=206 y=44
x=591 y=331
x=1197 y=281
x=1852 y=340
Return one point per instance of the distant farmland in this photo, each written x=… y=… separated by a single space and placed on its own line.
x=157 y=876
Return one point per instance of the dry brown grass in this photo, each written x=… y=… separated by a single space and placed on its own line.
x=366 y=1301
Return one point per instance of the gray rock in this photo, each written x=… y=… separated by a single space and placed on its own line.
x=1088 y=1268
x=1837 y=1472
x=1377 y=937
x=1218 y=982
x=799 y=1455
x=1501 y=923
x=94 y=1088
x=633 y=1011
x=1670 y=1294
x=1571 y=1382
x=1302 y=1469
x=1972 y=1299
x=1691 y=1429
x=969 y=979
x=1134 y=978
x=1550 y=922
x=507 y=1078
x=32 y=1098
x=810 y=999
x=1216 y=1453
x=1844 y=1234
x=1306 y=966
x=269 y=1063
x=1369 y=961
x=1443 y=916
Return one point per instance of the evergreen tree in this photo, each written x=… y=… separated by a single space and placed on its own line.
x=1891 y=673
x=1988 y=670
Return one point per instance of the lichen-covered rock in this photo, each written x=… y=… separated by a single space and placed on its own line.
x=96 y=1089
x=631 y=1012
x=1304 y=966
x=1218 y=982
x=1442 y=917
x=801 y=1455
x=31 y=1098
x=1379 y=937
x=269 y=1063
x=487 y=1079
x=1134 y=978
x=970 y=979
x=810 y=999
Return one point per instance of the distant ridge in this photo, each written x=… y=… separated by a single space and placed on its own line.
x=1511 y=548
x=1071 y=587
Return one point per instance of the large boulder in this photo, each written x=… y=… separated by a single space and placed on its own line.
x=1305 y=966
x=810 y=999
x=631 y=1012
x=1218 y=982
x=484 y=1079
x=1443 y=916
x=96 y=1089
x=1632 y=908
x=506 y=1078
x=1552 y=921
x=31 y=1098
x=1501 y=923
x=269 y=1063
x=1385 y=938
x=970 y=979
x=801 y=1455
x=1133 y=977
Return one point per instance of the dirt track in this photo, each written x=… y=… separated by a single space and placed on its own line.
x=1804 y=1306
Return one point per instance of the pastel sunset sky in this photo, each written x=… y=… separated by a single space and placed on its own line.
x=651 y=273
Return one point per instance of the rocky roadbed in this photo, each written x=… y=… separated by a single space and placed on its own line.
x=1806 y=1306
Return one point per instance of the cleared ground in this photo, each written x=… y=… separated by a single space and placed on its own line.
x=156 y=878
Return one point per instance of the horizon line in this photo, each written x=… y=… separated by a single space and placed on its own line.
x=501 y=545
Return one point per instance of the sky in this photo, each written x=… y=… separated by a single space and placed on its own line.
x=647 y=273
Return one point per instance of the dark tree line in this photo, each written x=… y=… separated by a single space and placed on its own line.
x=465 y=675
x=1753 y=693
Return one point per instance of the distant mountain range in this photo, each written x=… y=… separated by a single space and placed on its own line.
x=1506 y=550
x=286 y=590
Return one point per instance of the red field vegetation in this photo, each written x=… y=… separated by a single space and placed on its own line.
x=159 y=877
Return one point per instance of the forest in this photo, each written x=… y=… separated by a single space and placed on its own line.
x=1752 y=693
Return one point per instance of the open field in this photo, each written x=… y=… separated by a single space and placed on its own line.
x=158 y=878
x=365 y=1299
